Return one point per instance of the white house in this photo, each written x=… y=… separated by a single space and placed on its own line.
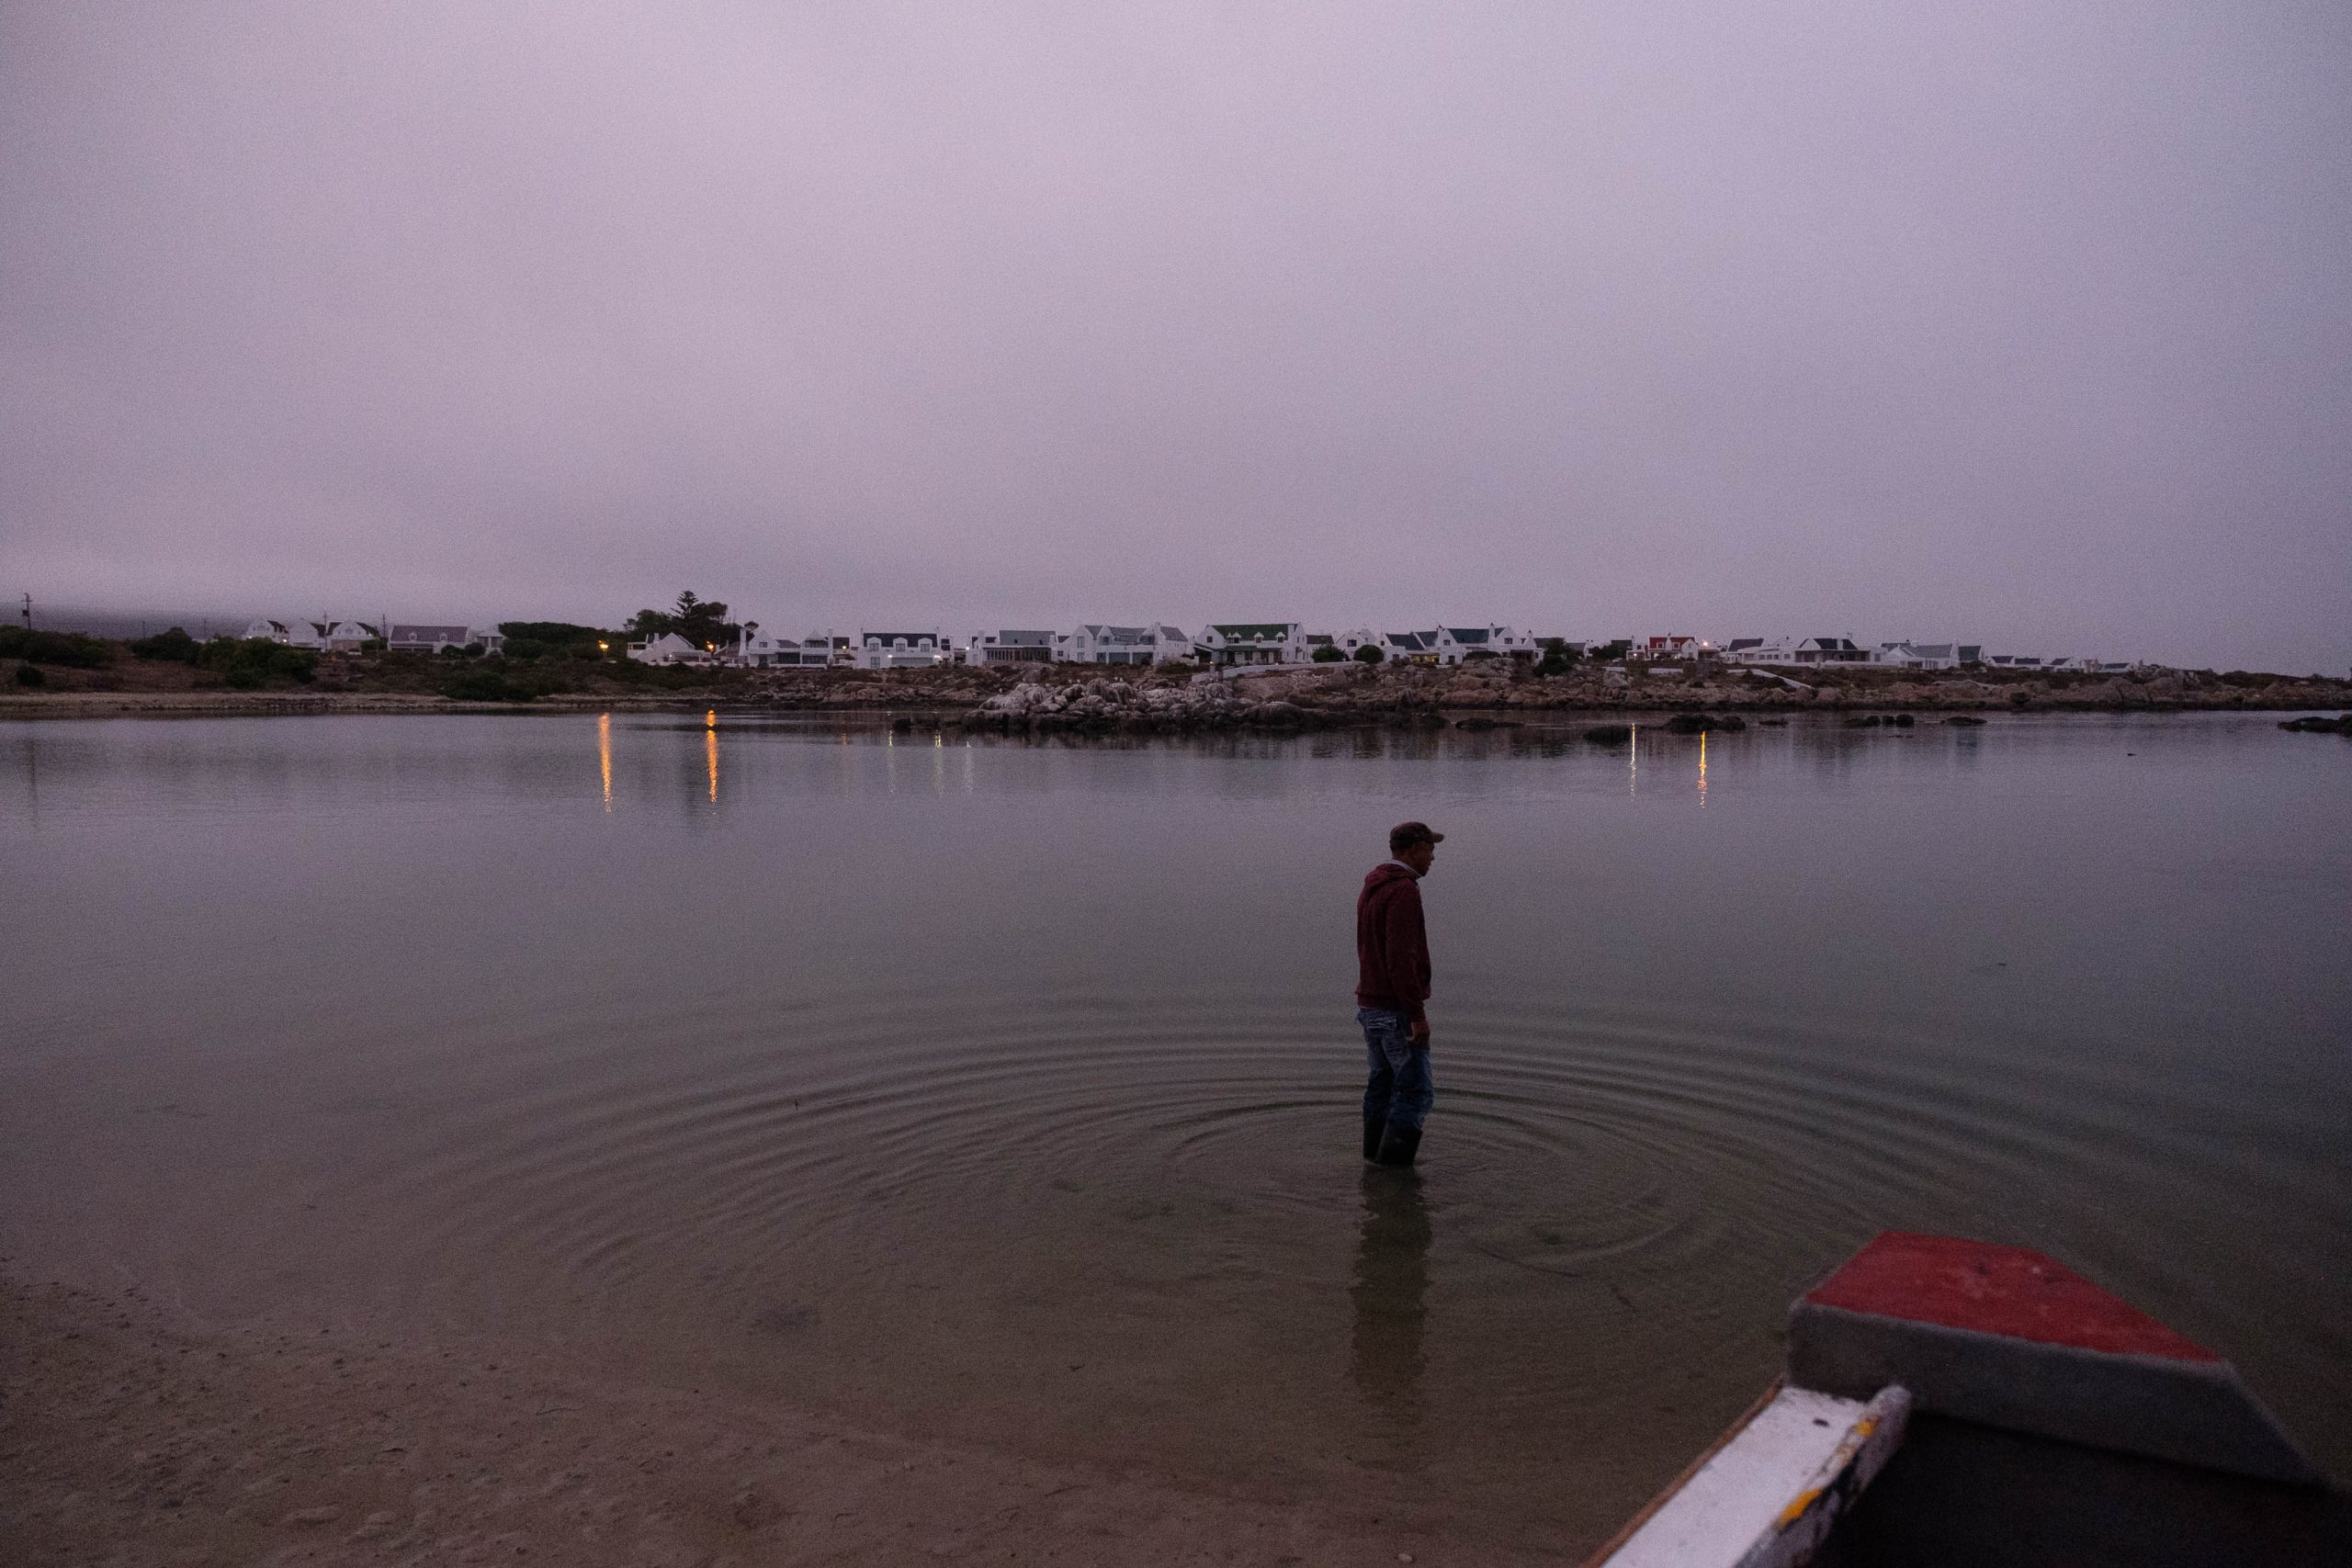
x=1674 y=645
x=1928 y=655
x=1453 y=644
x=400 y=637
x=293 y=633
x=1828 y=650
x=670 y=648
x=1254 y=642
x=901 y=651
x=1409 y=646
x=345 y=636
x=1096 y=644
x=757 y=649
x=1009 y=647
x=1413 y=647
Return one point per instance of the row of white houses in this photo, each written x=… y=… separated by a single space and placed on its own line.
x=1846 y=650
x=1253 y=643
x=1223 y=643
x=329 y=636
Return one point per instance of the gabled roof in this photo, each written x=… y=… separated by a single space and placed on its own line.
x=1404 y=639
x=428 y=634
x=1466 y=634
x=1252 y=631
x=1739 y=643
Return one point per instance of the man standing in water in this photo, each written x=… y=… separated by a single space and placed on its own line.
x=1392 y=982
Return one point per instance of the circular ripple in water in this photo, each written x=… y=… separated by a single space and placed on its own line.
x=1079 y=1218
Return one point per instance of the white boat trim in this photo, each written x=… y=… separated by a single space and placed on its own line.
x=1768 y=1494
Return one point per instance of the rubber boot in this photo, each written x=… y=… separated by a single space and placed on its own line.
x=1373 y=1128
x=1397 y=1145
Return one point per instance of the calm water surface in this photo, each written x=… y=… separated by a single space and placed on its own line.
x=1006 y=1091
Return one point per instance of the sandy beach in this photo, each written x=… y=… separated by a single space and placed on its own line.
x=132 y=1435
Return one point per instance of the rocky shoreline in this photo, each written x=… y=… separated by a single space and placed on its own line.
x=1474 y=698
x=1080 y=698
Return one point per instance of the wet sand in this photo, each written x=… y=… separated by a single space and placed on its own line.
x=131 y=1436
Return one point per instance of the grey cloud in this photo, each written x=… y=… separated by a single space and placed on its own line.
x=2022 y=322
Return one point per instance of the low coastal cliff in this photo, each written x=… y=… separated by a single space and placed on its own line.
x=1343 y=694
x=1042 y=697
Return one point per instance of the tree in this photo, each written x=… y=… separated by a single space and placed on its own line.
x=1370 y=654
x=173 y=647
x=700 y=621
x=1558 y=656
x=1326 y=654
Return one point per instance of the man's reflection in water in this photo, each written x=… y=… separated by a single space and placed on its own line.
x=1391 y=1286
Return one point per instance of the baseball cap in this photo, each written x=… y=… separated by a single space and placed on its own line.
x=1405 y=835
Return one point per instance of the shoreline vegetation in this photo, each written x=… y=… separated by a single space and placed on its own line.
x=61 y=675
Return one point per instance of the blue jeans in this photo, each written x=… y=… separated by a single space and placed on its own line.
x=1400 y=1089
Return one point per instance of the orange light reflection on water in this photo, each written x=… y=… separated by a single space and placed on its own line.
x=1703 y=770
x=711 y=749
x=604 y=754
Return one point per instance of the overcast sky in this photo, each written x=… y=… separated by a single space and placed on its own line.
x=2023 y=323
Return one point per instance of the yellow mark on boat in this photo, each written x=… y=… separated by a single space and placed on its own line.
x=1847 y=1448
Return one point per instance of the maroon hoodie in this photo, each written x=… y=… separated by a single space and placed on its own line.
x=1392 y=949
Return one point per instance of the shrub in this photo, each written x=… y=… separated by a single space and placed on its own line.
x=1480 y=653
x=486 y=686
x=54 y=648
x=1370 y=654
x=175 y=646
x=30 y=675
x=250 y=664
x=1326 y=654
